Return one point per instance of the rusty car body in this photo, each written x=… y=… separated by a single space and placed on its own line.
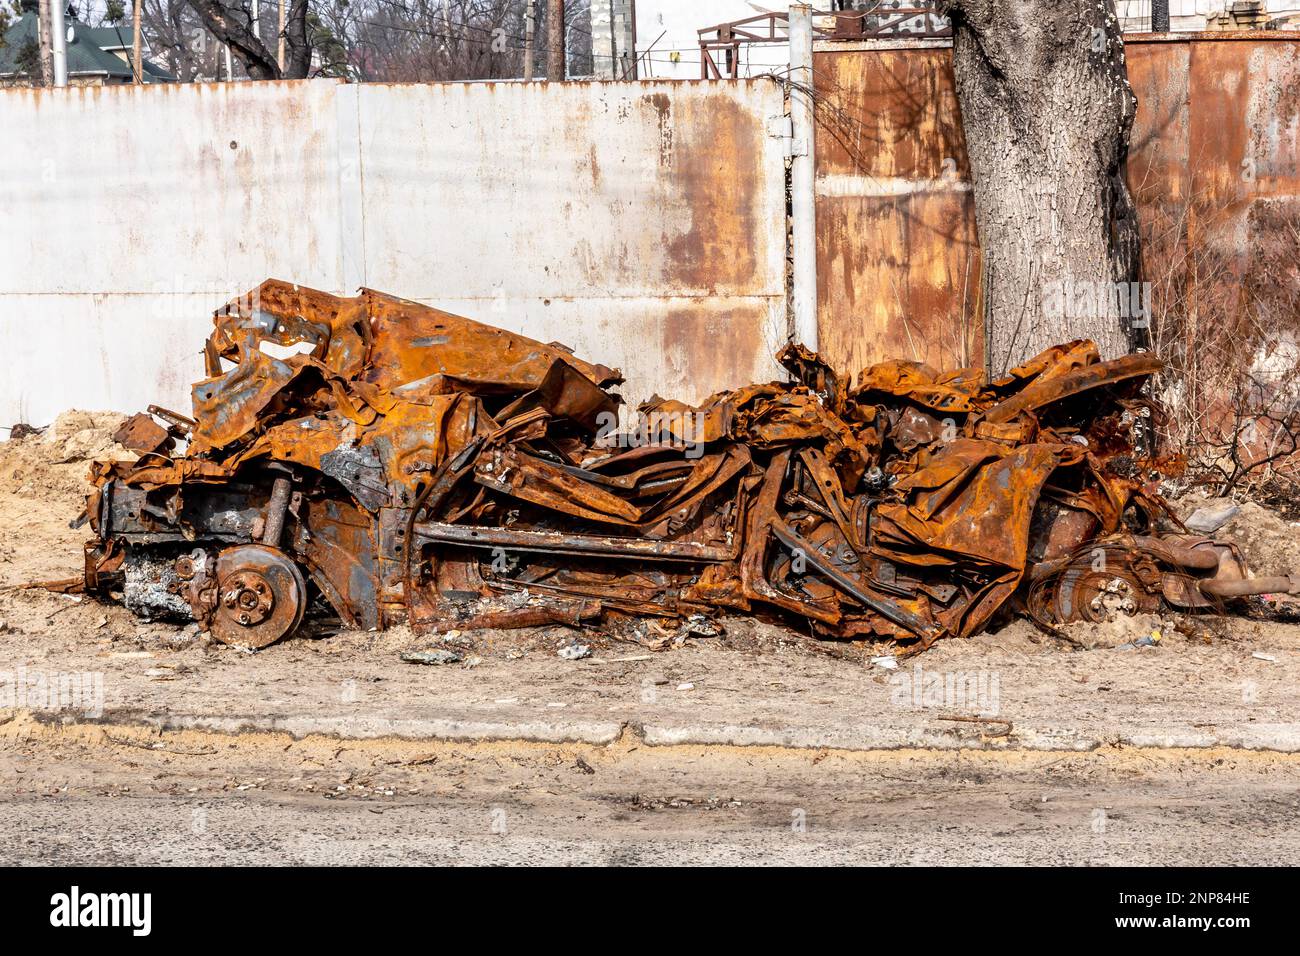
x=405 y=464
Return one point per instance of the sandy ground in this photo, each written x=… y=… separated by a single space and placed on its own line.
x=753 y=746
x=112 y=795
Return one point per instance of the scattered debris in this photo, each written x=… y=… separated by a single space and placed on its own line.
x=1210 y=518
x=1151 y=640
x=438 y=656
x=1000 y=728
x=22 y=430
x=574 y=651
x=1260 y=656
x=409 y=464
x=697 y=625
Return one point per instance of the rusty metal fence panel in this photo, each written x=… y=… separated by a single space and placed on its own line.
x=1215 y=169
x=897 y=261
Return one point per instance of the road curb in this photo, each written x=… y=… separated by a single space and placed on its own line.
x=990 y=735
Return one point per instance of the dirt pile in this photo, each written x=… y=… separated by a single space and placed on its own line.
x=43 y=486
x=1269 y=542
x=51 y=465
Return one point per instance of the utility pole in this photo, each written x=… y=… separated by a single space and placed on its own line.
x=279 y=51
x=43 y=42
x=137 y=71
x=1159 y=16
x=555 y=59
x=58 y=43
x=530 y=24
x=627 y=28
x=803 y=207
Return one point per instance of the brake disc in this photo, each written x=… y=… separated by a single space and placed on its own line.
x=261 y=596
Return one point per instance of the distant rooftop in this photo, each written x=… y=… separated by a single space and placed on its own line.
x=88 y=52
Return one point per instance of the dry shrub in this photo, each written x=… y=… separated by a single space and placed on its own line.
x=1226 y=319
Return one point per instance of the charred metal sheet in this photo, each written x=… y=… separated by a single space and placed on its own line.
x=409 y=464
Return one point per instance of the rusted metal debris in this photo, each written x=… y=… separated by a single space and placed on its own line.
x=403 y=463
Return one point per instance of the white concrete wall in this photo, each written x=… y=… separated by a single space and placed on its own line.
x=641 y=223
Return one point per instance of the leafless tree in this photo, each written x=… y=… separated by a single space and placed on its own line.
x=230 y=21
x=381 y=40
x=433 y=40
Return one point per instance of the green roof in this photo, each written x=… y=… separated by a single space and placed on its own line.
x=86 y=55
x=110 y=38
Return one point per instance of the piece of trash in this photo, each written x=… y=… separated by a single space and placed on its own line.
x=1264 y=657
x=888 y=663
x=701 y=626
x=686 y=685
x=438 y=656
x=1151 y=640
x=574 y=652
x=1210 y=518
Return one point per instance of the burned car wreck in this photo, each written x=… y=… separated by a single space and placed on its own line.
x=404 y=464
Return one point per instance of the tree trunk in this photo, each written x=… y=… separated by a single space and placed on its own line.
x=1047 y=110
x=555 y=50
x=45 y=53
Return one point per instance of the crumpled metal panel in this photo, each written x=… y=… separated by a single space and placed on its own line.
x=416 y=465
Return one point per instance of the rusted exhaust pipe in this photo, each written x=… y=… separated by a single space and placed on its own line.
x=1198 y=559
x=1251 y=586
x=275 y=512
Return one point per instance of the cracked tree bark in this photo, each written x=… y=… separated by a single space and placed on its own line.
x=1047 y=112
